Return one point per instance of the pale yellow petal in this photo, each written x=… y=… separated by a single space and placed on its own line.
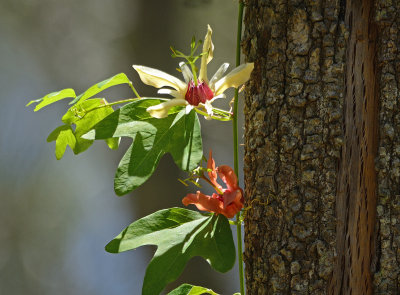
x=218 y=74
x=208 y=51
x=188 y=109
x=161 y=110
x=186 y=72
x=235 y=78
x=209 y=108
x=168 y=91
x=158 y=79
x=208 y=46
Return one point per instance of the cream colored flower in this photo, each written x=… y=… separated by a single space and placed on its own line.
x=190 y=92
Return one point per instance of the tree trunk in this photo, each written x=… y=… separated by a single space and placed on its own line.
x=387 y=265
x=293 y=141
x=321 y=119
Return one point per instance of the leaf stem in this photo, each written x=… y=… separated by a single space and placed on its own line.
x=133 y=89
x=236 y=148
x=193 y=66
x=107 y=104
x=121 y=101
x=212 y=117
x=222 y=112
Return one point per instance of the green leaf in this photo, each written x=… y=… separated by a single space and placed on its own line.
x=113 y=143
x=63 y=135
x=187 y=289
x=179 y=235
x=85 y=115
x=52 y=97
x=178 y=134
x=118 y=79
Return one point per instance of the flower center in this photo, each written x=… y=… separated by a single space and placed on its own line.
x=198 y=94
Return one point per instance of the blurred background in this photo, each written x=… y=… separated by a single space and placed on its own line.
x=57 y=216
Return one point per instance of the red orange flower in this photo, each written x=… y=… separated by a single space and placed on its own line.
x=227 y=201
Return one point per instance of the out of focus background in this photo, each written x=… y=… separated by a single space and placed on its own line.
x=57 y=216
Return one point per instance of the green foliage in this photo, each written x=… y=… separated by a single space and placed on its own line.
x=84 y=116
x=118 y=79
x=187 y=289
x=63 y=135
x=179 y=235
x=52 y=97
x=178 y=134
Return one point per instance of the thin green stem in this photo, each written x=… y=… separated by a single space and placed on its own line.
x=236 y=148
x=222 y=112
x=205 y=114
x=192 y=65
x=134 y=90
x=122 y=101
x=114 y=103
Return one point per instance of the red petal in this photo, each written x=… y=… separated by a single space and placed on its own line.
x=228 y=176
x=203 y=202
x=213 y=174
x=231 y=210
x=198 y=94
x=229 y=197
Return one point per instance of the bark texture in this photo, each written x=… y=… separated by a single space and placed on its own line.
x=387 y=270
x=293 y=142
x=356 y=195
x=322 y=158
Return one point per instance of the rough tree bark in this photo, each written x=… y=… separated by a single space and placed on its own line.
x=387 y=266
x=322 y=139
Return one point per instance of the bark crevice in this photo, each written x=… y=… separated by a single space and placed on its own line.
x=386 y=263
x=356 y=194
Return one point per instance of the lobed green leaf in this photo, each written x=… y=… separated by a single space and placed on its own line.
x=63 y=135
x=84 y=116
x=52 y=98
x=178 y=134
x=118 y=79
x=179 y=234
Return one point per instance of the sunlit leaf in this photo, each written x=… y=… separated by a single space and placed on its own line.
x=52 y=97
x=179 y=234
x=187 y=289
x=84 y=117
x=113 y=143
x=118 y=79
x=178 y=134
x=63 y=136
